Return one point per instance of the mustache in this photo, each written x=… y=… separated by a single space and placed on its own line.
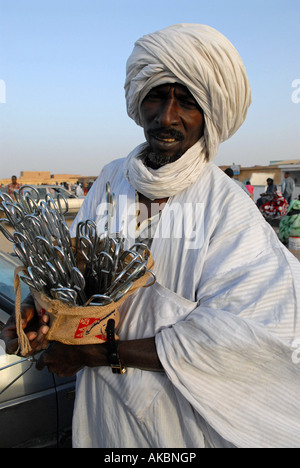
x=166 y=133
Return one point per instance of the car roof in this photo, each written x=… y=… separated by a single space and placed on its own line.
x=48 y=186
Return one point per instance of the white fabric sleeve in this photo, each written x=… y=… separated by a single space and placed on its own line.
x=237 y=369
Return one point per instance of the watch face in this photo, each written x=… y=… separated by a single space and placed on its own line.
x=118 y=369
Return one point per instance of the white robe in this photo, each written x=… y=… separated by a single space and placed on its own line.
x=225 y=317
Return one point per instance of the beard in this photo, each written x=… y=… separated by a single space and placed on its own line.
x=157 y=160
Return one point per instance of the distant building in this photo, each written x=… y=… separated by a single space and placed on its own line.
x=259 y=174
x=43 y=177
x=292 y=166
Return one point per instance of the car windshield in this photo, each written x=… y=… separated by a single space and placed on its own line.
x=42 y=192
x=8 y=264
x=54 y=191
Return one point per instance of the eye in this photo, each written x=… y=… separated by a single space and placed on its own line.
x=152 y=96
x=189 y=103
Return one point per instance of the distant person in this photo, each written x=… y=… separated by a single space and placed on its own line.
x=12 y=187
x=269 y=194
x=230 y=174
x=288 y=187
x=78 y=190
x=250 y=188
x=290 y=224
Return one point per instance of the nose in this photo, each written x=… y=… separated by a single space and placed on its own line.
x=167 y=115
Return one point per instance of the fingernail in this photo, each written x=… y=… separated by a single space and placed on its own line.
x=32 y=336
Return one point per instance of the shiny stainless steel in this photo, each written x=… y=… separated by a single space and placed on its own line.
x=43 y=243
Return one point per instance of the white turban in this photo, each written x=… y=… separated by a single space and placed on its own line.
x=203 y=60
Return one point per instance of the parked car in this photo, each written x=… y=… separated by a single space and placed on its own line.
x=74 y=202
x=36 y=407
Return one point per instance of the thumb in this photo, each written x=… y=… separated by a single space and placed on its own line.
x=41 y=363
x=28 y=313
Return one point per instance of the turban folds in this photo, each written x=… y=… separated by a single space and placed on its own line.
x=203 y=60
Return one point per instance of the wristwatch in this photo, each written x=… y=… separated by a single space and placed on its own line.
x=113 y=356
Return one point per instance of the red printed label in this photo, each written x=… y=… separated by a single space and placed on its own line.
x=87 y=326
x=41 y=312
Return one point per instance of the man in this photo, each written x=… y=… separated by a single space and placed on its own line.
x=13 y=186
x=208 y=348
x=288 y=187
x=79 y=190
x=269 y=194
x=230 y=174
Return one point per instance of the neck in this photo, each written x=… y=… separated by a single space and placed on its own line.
x=148 y=208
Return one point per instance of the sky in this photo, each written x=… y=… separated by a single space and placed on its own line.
x=62 y=73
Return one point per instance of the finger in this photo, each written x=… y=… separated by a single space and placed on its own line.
x=41 y=362
x=9 y=332
x=31 y=336
x=38 y=340
x=44 y=359
x=27 y=314
x=45 y=318
x=11 y=346
x=10 y=338
x=41 y=333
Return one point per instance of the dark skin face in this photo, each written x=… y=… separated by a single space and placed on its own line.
x=172 y=121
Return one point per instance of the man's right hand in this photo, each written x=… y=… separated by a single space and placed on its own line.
x=35 y=328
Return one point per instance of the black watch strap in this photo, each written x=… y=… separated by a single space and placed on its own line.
x=113 y=355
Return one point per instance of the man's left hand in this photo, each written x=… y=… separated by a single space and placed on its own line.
x=66 y=360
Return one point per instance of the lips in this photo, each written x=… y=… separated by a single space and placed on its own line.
x=165 y=140
x=166 y=136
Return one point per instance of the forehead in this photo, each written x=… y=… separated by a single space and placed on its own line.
x=166 y=88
